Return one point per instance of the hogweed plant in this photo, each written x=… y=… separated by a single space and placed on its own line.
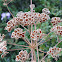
x=30 y=19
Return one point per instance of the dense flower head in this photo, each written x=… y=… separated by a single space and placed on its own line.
x=18 y=33
x=28 y=18
x=1 y=37
x=3 y=43
x=3 y=48
x=22 y=56
x=57 y=30
x=46 y=11
x=54 y=52
x=37 y=34
x=55 y=20
x=11 y=24
x=44 y=17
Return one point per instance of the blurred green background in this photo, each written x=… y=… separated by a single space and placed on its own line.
x=55 y=7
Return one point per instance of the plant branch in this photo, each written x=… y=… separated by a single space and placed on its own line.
x=46 y=36
x=25 y=28
x=42 y=51
x=58 y=43
x=44 y=42
x=26 y=41
x=32 y=52
x=37 y=51
x=17 y=44
x=43 y=57
x=10 y=11
x=9 y=2
x=17 y=49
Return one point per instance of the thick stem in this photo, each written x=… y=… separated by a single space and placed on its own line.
x=31 y=33
x=31 y=5
x=31 y=44
x=37 y=51
x=34 y=55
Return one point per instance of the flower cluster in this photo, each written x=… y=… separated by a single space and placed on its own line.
x=46 y=11
x=56 y=20
x=54 y=52
x=3 y=48
x=57 y=30
x=11 y=24
x=37 y=34
x=28 y=18
x=44 y=17
x=18 y=33
x=22 y=56
x=2 y=37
